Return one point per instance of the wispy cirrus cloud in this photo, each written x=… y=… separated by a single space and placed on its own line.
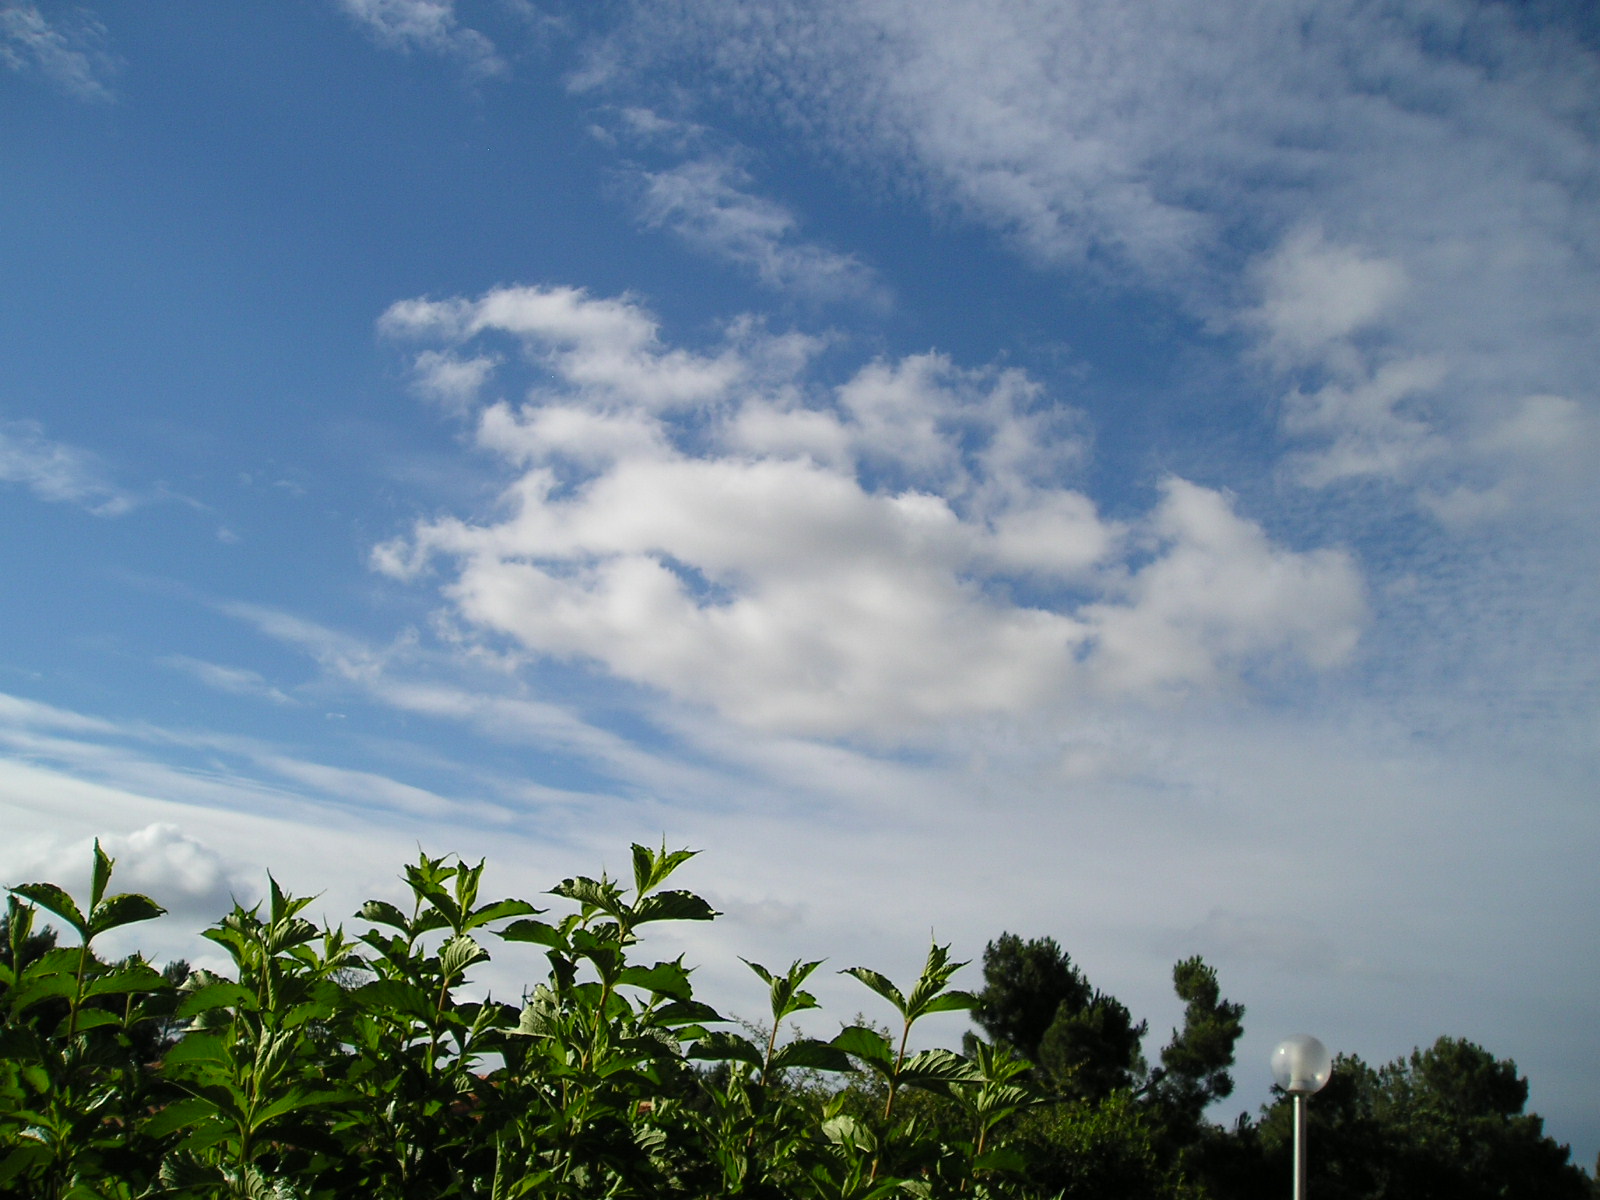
x=1397 y=205
x=58 y=472
x=71 y=53
x=709 y=203
x=429 y=26
x=706 y=195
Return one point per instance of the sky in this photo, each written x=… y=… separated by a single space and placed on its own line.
x=1122 y=473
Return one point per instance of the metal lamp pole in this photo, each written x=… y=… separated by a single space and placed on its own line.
x=1301 y=1066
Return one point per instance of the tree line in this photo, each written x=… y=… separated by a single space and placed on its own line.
x=330 y=1064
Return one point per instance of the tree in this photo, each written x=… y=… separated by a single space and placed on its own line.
x=1194 y=1065
x=1039 y=1005
x=1446 y=1122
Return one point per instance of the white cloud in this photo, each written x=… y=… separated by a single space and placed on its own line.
x=1317 y=296
x=73 y=56
x=450 y=381
x=236 y=681
x=607 y=348
x=839 y=562
x=57 y=472
x=1218 y=592
x=427 y=25
x=1355 y=189
x=709 y=203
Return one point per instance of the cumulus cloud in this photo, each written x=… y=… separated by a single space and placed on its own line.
x=190 y=879
x=71 y=54
x=844 y=560
x=56 y=471
x=427 y=25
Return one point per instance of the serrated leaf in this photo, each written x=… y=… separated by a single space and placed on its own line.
x=101 y=877
x=498 y=910
x=381 y=912
x=196 y=1048
x=91 y=1018
x=685 y=1012
x=722 y=1046
x=56 y=900
x=651 y=868
x=459 y=953
x=673 y=906
x=537 y=932
x=221 y=993
x=813 y=1055
x=663 y=979
x=38 y=990
x=395 y=996
x=866 y=1044
x=136 y=977
x=599 y=894
x=952 y=1001
x=880 y=984
x=929 y=1068
x=124 y=909
x=180 y=1114
x=1002 y=1158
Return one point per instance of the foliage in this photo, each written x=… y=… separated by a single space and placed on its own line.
x=324 y=1064
x=1446 y=1122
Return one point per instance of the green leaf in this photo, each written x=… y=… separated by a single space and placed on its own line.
x=92 y=1018
x=930 y=1068
x=952 y=1001
x=395 y=997
x=673 y=906
x=49 y=896
x=651 y=868
x=811 y=1054
x=180 y=1114
x=102 y=876
x=221 y=993
x=381 y=912
x=599 y=894
x=1002 y=1158
x=136 y=977
x=122 y=910
x=722 y=1046
x=499 y=909
x=663 y=979
x=685 y=1012
x=459 y=953
x=532 y=931
x=880 y=984
x=26 y=1154
x=866 y=1044
x=38 y=990
x=197 y=1048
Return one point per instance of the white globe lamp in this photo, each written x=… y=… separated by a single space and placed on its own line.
x=1301 y=1066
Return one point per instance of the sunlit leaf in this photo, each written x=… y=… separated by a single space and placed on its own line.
x=664 y=978
x=866 y=1044
x=537 y=932
x=56 y=900
x=880 y=984
x=381 y=912
x=101 y=877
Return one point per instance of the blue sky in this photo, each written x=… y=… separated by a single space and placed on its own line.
x=1123 y=473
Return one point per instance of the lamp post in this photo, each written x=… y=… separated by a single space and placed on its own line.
x=1301 y=1066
